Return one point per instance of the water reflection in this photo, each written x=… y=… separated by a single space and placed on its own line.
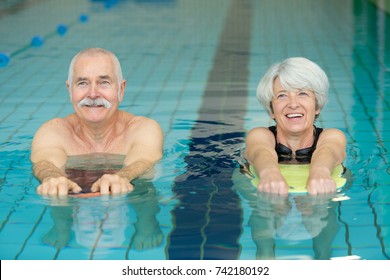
x=87 y=169
x=291 y=219
x=103 y=223
x=208 y=213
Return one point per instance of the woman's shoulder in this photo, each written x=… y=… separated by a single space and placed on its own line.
x=263 y=131
x=332 y=134
x=332 y=131
x=260 y=134
x=260 y=130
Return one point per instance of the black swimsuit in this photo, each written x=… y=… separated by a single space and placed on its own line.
x=285 y=154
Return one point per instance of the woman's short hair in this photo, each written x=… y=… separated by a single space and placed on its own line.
x=294 y=73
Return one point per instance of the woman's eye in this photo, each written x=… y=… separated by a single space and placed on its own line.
x=281 y=95
x=303 y=93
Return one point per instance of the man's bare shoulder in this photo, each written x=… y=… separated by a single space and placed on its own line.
x=52 y=125
x=54 y=130
x=139 y=122
x=143 y=130
x=51 y=136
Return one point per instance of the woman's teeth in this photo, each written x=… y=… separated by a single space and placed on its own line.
x=294 y=115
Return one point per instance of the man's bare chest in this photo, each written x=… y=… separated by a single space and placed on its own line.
x=117 y=144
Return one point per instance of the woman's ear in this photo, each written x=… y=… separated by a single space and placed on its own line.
x=271 y=111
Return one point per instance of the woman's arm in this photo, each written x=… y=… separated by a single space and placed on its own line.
x=330 y=152
x=260 y=152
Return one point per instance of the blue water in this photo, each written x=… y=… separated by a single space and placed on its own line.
x=193 y=66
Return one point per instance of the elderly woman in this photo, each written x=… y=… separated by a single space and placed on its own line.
x=293 y=92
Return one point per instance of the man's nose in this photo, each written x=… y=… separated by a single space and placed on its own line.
x=93 y=91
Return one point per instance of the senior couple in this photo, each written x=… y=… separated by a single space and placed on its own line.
x=293 y=92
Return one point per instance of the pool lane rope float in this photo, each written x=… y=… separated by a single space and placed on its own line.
x=296 y=176
x=4 y=59
x=37 y=41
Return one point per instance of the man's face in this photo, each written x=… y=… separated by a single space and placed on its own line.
x=95 y=92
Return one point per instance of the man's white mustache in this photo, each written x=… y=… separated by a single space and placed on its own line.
x=94 y=102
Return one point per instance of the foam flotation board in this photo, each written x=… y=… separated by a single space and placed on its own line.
x=85 y=194
x=296 y=176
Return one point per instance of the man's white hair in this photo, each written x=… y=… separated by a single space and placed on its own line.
x=92 y=52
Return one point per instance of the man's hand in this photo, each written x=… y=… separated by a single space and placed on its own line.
x=112 y=184
x=57 y=186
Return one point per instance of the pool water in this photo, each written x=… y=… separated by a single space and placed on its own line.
x=193 y=66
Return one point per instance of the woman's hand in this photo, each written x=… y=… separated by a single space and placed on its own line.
x=272 y=181
x=320 y=181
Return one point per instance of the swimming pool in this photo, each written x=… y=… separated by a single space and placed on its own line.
x=193 y=66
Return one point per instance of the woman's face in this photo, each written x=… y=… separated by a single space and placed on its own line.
x=293 y=111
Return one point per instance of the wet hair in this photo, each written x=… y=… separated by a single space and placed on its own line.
x=93 y=52
x=294 y=73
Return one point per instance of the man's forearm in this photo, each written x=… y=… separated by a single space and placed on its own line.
x=45 y=169
x=134 y=170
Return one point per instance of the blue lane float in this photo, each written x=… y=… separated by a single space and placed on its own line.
x=108 y=4
x=37 y=41
x=62 y=29
x=83 y=18
x=4 y=59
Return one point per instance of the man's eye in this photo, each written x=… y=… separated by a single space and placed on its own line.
x=82 y=84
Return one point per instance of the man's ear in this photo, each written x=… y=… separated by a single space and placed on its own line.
x=68 y=86
x=121 y=93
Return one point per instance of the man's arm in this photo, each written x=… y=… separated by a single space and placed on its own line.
x=260 y=152
x=330 y=152
x=49 y=159
x=146 y=149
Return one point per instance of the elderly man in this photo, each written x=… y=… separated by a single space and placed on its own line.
x=96 y=87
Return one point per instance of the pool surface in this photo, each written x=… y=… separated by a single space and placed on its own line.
x=194 y=66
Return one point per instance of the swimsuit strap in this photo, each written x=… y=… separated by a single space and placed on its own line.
x=303 y=155
x=317 y=133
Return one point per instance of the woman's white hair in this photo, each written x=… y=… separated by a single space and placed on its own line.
x=294 y=73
